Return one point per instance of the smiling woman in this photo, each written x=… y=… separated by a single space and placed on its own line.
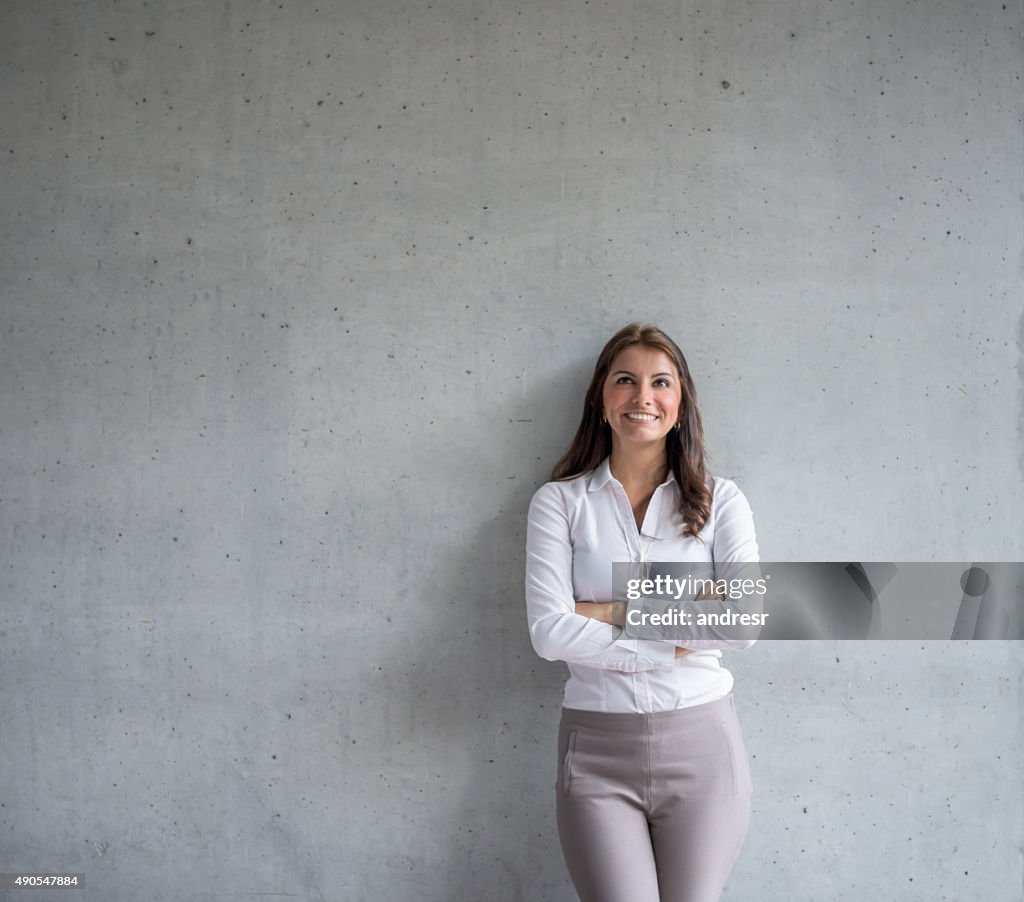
x=653 y=788
x=640 y=400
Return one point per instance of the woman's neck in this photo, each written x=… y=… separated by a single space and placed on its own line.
x=645 y=467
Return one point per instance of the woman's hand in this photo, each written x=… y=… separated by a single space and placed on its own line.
x=704 y=596
x=613 y=612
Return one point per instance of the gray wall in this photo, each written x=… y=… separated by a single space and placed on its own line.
x=299 y=302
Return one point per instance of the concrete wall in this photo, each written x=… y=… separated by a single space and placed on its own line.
x=299 y=302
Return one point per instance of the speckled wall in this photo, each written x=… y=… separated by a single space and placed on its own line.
x=299 y=300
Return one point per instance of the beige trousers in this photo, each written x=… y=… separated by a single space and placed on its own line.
x=652 y=807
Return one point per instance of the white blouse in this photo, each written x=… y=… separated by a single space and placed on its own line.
x=575 y=530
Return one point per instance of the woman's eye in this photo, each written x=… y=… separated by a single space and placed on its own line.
x=623 y=379
x=664 y=382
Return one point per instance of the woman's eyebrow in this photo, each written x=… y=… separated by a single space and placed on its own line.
x=628 y=373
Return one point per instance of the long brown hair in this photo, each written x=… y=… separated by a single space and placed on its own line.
x=684 y=446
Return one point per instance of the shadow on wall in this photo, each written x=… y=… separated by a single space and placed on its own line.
x=484 y=705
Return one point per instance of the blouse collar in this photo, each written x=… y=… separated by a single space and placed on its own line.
x=600 y=475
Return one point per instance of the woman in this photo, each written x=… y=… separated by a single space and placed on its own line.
x=653 y=788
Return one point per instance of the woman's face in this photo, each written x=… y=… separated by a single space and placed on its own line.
x=641 y=395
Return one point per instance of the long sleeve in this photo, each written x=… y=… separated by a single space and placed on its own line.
x=734 y=541
x=557 y=632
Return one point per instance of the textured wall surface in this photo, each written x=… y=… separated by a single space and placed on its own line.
x=299 y=301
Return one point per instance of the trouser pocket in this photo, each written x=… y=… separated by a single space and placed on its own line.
x=739 y=764
x=730 y=743
x=567 y=763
